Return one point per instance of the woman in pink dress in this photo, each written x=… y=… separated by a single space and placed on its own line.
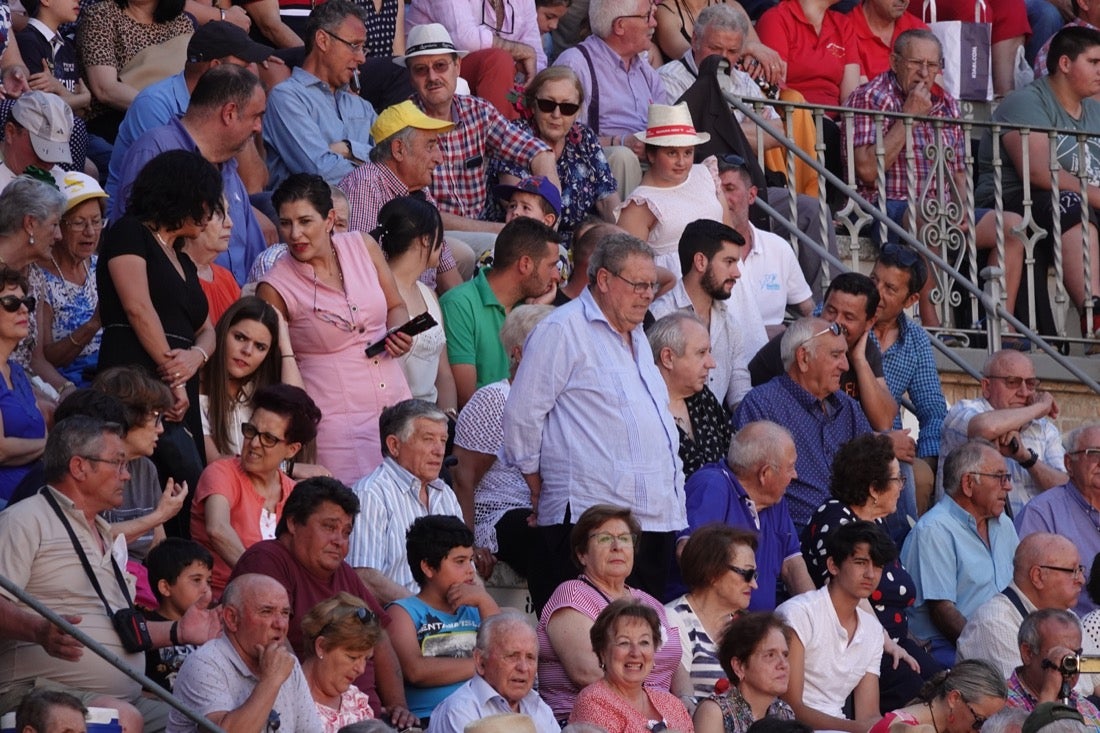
x=338 y=297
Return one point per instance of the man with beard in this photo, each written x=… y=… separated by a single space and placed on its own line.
x=710 y=253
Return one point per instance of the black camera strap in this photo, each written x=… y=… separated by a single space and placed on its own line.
x=84 y=558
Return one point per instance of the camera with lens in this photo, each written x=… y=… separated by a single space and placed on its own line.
x=1072 y=664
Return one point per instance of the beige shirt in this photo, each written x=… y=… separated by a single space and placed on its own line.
x=37 y=554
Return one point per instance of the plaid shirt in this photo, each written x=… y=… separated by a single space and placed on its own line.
x=460 y=183
x=883 y=94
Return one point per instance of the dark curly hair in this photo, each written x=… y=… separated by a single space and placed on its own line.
x=860 y=465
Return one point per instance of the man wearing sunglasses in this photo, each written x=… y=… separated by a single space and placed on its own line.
x=1069 y=510
x=1015 y=415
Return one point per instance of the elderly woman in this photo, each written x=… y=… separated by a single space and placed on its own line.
x=551 y=103
x=866 y=483
x=602 y=546
x=340 y=634
x=626 y=637
x=954 y=701
x=494 y=496
x=239 y=500
x=681 y=349
x=718 y=565
x=753 y=653
x=68 y=305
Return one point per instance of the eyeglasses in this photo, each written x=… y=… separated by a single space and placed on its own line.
x=356 y=48
x=364 y=615
x=1002 y=478
x=267 y=440
x=79 y=225
x=549 y=105
x=118 y=463
x=647 y=17
x=605 y=539
x=749 y=574
x=932 y=67
x=1090 y=454
x=1075 y=572
x=1032 y=383
x=641 y=287
x=979 y=720
x=12 y=303
x=438 y=67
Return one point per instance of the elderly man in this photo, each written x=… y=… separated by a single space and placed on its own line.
x=1069 y=510
x=85 y=467
x=960 y=552
x=36 y=134
x=481 y=132
x=314 y=123
x=1046 y=573
x=406 y=486
x=808 y=401
x=506 y=658
x=226 y=110
x=1046 y=637
x=405 y=152
x=307 y=557
x=585 y=368
x=247 y=678
x=50 y=711
x=748 y=490
x=1013 y=414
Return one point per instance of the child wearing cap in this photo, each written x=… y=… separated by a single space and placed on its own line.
x=534 y=197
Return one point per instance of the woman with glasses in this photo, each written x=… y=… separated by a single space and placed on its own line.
x=602 y=546
x=239 y=500
x=338 y=297
x=551 y=103
x=718 y=565
x=339 y=634
x=68 y=305
x=866 y=483
x=958 y=700
x=24 y=428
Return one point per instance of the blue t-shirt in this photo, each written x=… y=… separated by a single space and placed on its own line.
x=440 y=634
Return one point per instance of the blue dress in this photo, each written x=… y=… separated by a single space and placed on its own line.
x=21 y=420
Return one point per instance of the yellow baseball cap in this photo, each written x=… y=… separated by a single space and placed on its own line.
x=396 y=118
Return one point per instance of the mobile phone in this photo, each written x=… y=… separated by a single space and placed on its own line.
x=420 y=324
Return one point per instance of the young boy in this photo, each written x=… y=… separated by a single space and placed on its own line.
x=179 y=573
x=836 y=647
x=535 y=197
x=50 y=57
x=434 y=631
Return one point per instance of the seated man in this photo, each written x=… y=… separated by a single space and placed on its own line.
x=247 y=677
x=836 y=646
x=406 y=486
x=960 y=552
x=314 y=124
x=505 y=659
x=1046 y=637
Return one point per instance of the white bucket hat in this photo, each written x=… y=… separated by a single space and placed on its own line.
x=671 y=126
x=428 y=39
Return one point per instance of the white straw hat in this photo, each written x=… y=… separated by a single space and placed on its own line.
x=671 y=126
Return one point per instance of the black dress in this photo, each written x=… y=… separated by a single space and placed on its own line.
x=182 y=308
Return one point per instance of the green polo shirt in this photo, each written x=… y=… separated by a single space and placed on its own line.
x=472 y=317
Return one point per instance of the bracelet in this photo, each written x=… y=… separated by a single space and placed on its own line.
x=173 y=633
x=74 y=341
x=196 y=347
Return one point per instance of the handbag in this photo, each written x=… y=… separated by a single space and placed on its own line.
x=967 y=52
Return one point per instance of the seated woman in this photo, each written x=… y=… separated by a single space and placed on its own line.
x=718 y=565
x=626 y=636
x=493 y=494
x=955 y=701
x=340 y=634
x=238 y=501
x=602 y=545
x=434 y=631
x=753 y=652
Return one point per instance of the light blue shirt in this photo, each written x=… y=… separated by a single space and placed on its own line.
x=950 y=562
x=155 y=105
x=303 y=118
x=590 y=415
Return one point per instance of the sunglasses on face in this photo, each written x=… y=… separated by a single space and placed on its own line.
x=548 y=106
x=12 y=303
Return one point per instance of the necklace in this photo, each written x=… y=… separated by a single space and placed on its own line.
x=933 y=714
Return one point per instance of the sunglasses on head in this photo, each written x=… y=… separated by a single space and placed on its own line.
x=549 y=105
x=12 y=303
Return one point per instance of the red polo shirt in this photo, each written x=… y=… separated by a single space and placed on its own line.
x=815 y=62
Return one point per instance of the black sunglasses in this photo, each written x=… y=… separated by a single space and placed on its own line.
x=12 y=303
x=549 y=105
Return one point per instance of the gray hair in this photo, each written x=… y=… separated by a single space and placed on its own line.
x=78 y=435
x=508 y=618
x=398 y=419
x=26 y=196
x=327 y=17
x=383 y=149
x=1007 y=720
x=519 y=324
x=602 y=14
x=668 y=332
x=965 y=459
x=1029 y=628
x=798 y=334
x=720 y=17
x=612 y=252
x=906 y=38
x=756 y=444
